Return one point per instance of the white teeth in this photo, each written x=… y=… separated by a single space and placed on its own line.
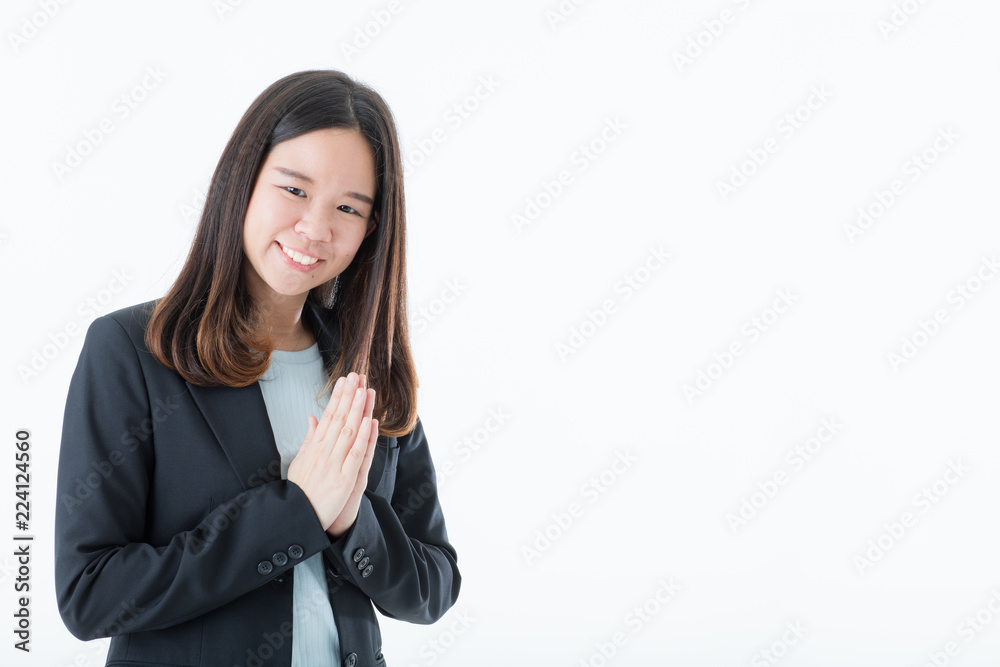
x=298 y=257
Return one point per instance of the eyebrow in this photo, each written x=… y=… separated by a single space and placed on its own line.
x=302 y=177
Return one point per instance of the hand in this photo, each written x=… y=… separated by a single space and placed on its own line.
x=349 y=514
x=336 y=449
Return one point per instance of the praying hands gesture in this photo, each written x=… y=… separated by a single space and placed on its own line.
x=332 y=465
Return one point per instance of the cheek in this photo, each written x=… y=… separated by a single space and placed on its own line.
x=359 y=234
x=267 y=215
x=348 y=238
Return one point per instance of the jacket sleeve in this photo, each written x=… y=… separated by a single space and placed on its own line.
x=401 y=558
x=103 y=563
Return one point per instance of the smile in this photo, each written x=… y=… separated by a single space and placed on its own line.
x=304 y=260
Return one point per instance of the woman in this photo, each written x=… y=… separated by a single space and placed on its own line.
x=211 y=510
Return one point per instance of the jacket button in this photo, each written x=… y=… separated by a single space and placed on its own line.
x=366 y=571
x=264 y=567
x=363 y=563
x=279 y=559
x=358 y=555
x=352 y=659
x=295 y=551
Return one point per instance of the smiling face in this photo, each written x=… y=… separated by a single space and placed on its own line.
x=310 y=209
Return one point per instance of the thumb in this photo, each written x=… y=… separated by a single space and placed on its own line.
x=313 y=423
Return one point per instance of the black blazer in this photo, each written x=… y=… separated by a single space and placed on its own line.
x=175 y=534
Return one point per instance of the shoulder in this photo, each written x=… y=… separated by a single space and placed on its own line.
x=134 y=316
x=114 y=353
x=130 y=319
x=118 y=335
x=414 y=440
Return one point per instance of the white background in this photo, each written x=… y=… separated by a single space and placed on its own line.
x=114 y=230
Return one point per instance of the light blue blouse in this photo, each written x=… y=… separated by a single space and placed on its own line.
x=290 y=387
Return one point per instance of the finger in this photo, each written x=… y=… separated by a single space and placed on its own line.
x=344 y=430
x=350 y=432
x=313 y=422
x=369 y=452
x=306 y=445
x=331 y=405
x=361 y=483
x=308 y=442
x=335 y=416
x=347 y=397
x=357 y=454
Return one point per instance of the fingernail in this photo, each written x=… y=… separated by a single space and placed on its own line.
x=340 y=383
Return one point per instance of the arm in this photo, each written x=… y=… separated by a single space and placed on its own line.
x=102 y=560
x=414 y=569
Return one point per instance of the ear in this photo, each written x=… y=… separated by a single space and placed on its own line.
x=372 y=223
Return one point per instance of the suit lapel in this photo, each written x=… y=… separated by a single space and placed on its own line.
x=238 y=418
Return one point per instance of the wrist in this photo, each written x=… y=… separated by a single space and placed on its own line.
x=339 y=528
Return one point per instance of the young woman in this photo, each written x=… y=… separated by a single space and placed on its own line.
x=242 y=472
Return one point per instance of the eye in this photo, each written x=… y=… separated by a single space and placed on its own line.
x=347 y=209
x=295 y=191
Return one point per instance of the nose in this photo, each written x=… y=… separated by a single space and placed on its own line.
x=314 y=226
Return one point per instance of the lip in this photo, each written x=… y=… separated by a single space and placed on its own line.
x=292 y=263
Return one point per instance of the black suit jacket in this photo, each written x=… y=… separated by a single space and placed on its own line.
x=175 y=534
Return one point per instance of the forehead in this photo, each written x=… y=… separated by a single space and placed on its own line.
x=336 y=158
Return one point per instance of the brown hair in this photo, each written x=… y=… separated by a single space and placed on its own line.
x=208 y=328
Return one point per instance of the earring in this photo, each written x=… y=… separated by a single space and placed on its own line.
x=333 y=292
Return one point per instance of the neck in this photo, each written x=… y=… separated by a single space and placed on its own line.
x=283 y=319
